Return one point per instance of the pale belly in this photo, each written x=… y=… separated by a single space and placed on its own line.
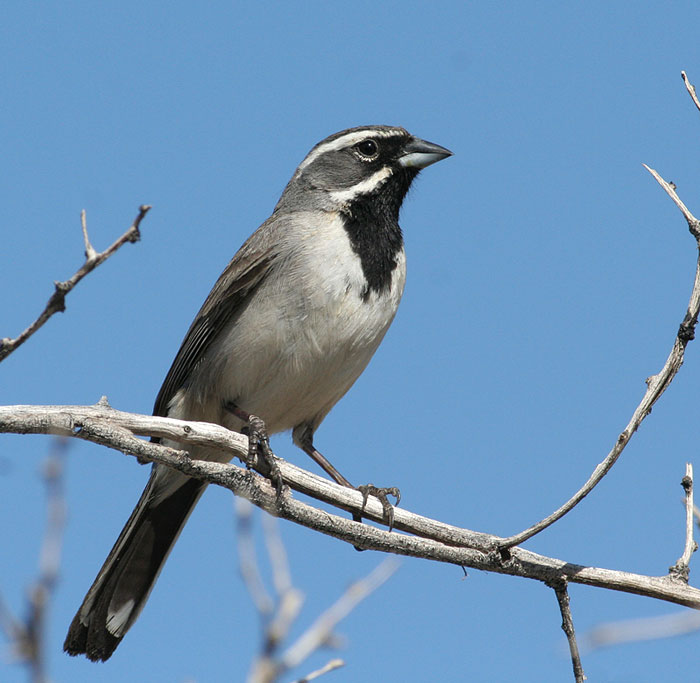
x=299 y=366
x=292 y=354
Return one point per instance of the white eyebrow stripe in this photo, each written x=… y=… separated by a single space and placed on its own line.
x=347 y=140
x=363 y=187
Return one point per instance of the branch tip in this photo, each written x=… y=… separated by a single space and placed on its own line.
x=90 y=252
x=691 y=90
x=56 y=302
x=656 y=384
x=681 y=570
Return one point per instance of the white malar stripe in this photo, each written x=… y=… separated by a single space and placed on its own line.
x=347 y=141
x=364 y=187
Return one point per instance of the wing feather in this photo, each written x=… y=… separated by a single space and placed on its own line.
x=231 y=294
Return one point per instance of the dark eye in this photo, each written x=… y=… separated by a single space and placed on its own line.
x=368 y=148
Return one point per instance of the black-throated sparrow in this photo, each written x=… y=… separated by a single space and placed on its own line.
x=288 y=327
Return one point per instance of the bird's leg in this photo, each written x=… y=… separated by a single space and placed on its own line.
x=258 y=442
x=306 y=442
x=321 y=460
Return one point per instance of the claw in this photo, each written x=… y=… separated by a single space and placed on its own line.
x=259 y=444
x=381 y=494
x=303 y=435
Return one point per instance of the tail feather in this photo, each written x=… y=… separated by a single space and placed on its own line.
x=125 y=581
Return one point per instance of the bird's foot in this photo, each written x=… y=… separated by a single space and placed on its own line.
x=382 y=494
x=258 y=445
x=303 y=436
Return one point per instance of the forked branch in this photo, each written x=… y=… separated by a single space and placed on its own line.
x=656 y=384
x=424 y=537
x=57 y=301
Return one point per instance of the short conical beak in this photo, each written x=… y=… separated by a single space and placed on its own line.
x=421 y=153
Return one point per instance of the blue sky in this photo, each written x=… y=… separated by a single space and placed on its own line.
x=547 y=276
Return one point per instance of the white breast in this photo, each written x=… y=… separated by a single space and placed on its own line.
x=307 y=334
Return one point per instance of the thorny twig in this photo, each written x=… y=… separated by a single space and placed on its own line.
x=57 y=301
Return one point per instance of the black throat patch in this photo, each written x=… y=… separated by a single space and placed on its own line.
x=372 y=223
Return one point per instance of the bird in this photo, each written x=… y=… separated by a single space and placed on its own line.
x=288 y=327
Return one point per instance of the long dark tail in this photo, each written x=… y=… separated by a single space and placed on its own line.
x=123 y=584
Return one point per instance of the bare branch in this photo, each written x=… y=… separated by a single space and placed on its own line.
x=567 y=625
x=321 y=630
x=669 y=188
x=332 y=665
x=57 y=301
x=637 y=630
x=289 y=603
x=115 y=429
x=247 y=561
x=279 y=616
x=691 y=89
x=269 y=665
x=431 y=539
x=90 y=252
x=656 y=385
x=281 y=576
x=681 y=570
x=13 y=628
x=27 y=637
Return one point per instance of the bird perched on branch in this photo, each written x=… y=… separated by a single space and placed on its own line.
x=287 y=329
